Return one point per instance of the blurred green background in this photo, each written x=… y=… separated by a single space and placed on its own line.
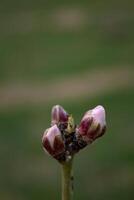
x=78 y=54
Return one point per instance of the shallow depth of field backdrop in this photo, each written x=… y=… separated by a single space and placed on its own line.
x=78 y=54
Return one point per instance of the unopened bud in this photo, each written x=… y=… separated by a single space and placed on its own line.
x=93 y=124
x=58 y=115
x=52 y=141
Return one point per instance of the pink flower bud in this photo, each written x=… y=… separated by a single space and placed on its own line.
x=58 y=115
x=52 y=141
x=93 y=124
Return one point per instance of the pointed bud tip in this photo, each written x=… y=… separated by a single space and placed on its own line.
x=52 y=141
x=99 y=115
x=58 y=115
x=50 y=134
x=93 y=124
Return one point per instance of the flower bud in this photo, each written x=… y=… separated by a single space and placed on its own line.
x=58 y=115
x=93 y=124
x=52 y=141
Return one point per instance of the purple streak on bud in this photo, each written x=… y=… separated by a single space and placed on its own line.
x=93 y=124
x=58 y=115
x=52 y=141
x=85 y=125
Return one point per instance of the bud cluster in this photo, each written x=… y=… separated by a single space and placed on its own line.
x=63 y=139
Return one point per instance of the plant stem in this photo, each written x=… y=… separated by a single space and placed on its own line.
x=67 y=180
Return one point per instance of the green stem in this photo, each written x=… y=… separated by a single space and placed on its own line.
x=67 y=180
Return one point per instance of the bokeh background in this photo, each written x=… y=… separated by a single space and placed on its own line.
x=78 y=54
